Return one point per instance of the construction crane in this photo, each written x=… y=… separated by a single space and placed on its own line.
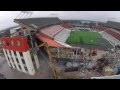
x=52 y=64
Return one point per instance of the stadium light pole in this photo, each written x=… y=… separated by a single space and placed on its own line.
x=24 y=14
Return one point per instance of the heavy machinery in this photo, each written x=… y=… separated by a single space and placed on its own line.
x=2 y=76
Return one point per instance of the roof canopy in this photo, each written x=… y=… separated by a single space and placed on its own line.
x=37 y=23
x=49 y=41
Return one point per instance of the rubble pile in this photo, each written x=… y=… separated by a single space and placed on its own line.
x=83 y=63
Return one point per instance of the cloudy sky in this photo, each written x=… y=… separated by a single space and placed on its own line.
x=7 y=17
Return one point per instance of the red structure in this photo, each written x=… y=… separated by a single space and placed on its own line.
x=114 y=34
x=67 y=25
x=49 y=41
x=101 y=28
x=107 y=30
x=16 y=44
x=18 y=55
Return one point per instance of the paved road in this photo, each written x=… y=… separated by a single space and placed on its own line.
x=44 y=72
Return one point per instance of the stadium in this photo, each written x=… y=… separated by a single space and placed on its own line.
x=83 y=37
x=67 y=41
x=74 y=45
x=64 y=36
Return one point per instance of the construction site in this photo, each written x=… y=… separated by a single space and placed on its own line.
x=51 y=48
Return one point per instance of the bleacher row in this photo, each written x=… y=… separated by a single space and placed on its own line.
x=62 y=36
x=67 y=25
x=107 y=30
x=101 y=28
x=110 y=38
x=51 y=31
x=57 y=33
x=114 y=34
x=110 y=35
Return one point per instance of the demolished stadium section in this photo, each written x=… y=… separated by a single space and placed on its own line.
x=85 y=55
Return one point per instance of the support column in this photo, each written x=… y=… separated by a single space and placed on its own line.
x=6 y=57
x=36 y=61
x=28 y=61
x=20 y=61
x=15 y=61
x=8 y=53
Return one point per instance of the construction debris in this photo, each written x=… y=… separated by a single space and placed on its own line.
x=71 y=69
x=2 y=76
x=108 y=71
x=94 y=66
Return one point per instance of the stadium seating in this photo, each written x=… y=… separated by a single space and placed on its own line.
x=109 y=31
x=62 y=36
x=114 y=34
x=109 y=34
x=101 y=28
x=67 y=25
x=62 y=43
x=52 y=30
x=110 y=38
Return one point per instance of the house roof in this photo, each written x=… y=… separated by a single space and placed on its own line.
x=115 y=25
x=37 y=23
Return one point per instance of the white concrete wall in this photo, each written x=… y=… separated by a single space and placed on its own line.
x=63 y=35
x=15 y=61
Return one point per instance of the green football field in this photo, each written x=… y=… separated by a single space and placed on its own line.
x=83 y=37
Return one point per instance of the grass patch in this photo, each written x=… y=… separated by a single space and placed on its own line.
x=83 y=37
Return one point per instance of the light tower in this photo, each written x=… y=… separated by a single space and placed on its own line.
x=24 y=14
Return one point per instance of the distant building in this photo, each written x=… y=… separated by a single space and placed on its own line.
x=80 y=23
x=6 y=32
x=115 y=25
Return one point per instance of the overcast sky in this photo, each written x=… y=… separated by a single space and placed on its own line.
x=7 y=17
